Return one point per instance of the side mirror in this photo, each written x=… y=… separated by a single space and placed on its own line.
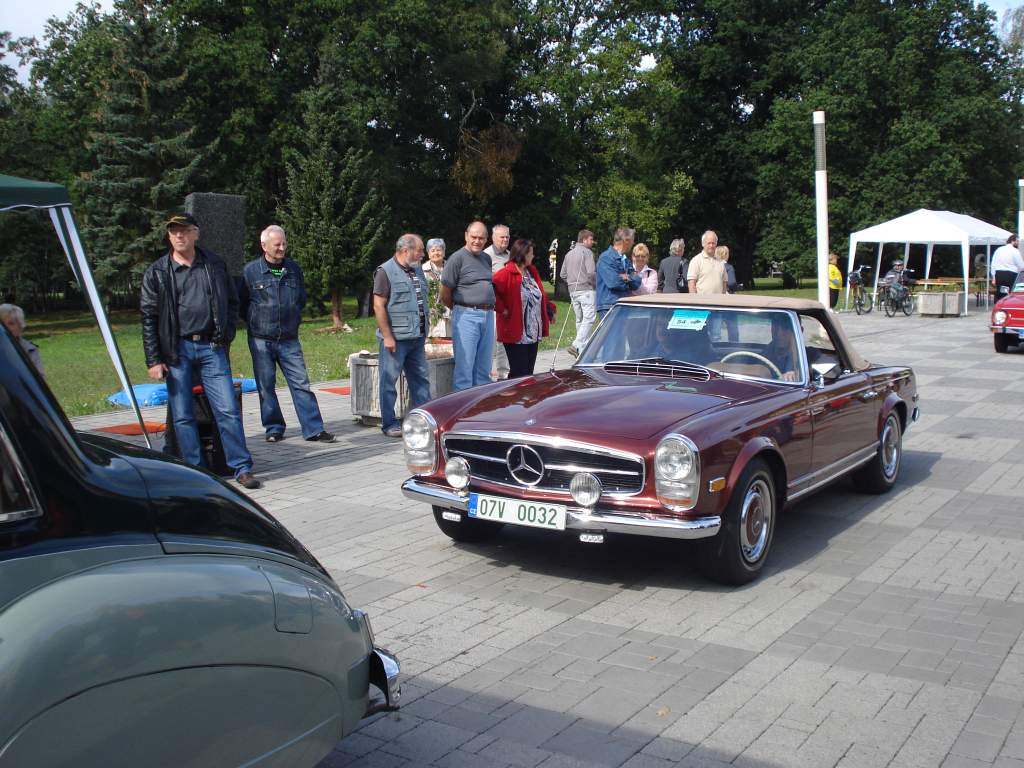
x=825 y=373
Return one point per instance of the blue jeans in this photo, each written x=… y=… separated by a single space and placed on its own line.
x=266 y=356
x=215 y=374
x=411 y=357
x=473 y=345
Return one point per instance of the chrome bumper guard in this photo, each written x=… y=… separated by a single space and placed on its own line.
x=384 y=671
x=579 y=518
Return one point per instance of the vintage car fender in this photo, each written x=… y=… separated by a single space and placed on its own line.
x=758 y=446
x=207 y=641
x=893 y=402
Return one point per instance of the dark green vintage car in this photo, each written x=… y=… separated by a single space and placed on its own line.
x=152 y=615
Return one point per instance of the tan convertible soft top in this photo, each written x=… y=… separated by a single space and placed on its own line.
x=750 y=301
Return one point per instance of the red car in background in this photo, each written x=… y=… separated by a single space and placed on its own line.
x=1007 y=324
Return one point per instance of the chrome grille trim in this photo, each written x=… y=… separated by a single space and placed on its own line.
x=632 y=479
x=664 y=370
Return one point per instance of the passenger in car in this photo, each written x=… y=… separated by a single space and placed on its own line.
x=782 y=349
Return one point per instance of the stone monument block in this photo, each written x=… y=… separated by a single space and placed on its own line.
x=221 y=226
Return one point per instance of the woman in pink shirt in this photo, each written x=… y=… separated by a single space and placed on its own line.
x=648 y=276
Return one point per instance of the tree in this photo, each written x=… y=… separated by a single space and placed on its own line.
x=334 y=211
x=143 y=159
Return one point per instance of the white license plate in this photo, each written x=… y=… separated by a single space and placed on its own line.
x=515 y=512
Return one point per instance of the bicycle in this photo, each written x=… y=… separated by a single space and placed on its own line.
x=899 y=297
x=862 y=303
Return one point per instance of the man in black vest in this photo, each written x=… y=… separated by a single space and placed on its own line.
x=189 y=305
x=400 y=307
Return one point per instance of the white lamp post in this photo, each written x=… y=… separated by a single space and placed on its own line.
x=821 y=200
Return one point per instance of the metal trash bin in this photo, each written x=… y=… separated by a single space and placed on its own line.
x=211 y=449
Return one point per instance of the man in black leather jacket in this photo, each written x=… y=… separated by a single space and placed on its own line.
x=189 y=305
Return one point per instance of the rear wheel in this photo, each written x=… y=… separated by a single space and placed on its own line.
x=859 y=303
x=879 y=475
x=465 y=528
x=1001 y=341
x=891 y=306
x=739 y=550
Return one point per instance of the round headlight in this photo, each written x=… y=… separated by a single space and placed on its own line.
x=585 y=489
x=673 y=460
x=417 y=431
x=456 y=472
x=999 y=317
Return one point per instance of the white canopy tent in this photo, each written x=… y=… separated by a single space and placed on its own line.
x=930 y=228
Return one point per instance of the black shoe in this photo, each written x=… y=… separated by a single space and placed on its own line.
x=323 y=437
x=275 y=437
x=248 y=480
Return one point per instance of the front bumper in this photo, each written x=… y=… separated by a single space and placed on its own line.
x=384 y=671
x=578 y=518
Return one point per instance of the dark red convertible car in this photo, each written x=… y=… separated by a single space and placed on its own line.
x=1007 y=323
x=688 y=417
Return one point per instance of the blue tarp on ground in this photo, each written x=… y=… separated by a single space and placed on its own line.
x=156 y=394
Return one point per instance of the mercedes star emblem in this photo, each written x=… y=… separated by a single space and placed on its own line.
x=525 y=464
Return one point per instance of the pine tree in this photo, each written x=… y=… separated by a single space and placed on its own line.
x=334 y=212
x=143 y=160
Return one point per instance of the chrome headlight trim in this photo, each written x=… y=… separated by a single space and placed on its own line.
x=999 y=317
x=679 y=490
x=420 y=441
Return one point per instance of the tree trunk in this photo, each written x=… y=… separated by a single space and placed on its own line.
x=336 y=320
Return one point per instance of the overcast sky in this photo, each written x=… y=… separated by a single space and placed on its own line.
x=26 y=18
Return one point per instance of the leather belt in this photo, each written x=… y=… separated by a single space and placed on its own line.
x=485 y=307
x=198 y=337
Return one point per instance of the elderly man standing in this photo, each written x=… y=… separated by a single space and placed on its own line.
x=467 y=290
x=400 y=307
x=616 y=275
x=1006 y=265
x=271 y=298
x=579 y=273
x=13 y=318
x=706 y=273
x=499 y=253
x=672 y=269
x=188 y=307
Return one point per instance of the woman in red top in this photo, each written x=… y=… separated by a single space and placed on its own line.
x=521 y=309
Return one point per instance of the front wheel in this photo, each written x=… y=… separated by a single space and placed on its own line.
x=908 y=305
x=1001 y=341
x=858 y=303
x=738 y=552
x=879 y=475
x=465 y=529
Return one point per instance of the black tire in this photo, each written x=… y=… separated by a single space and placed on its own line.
x=908 y=305
x=879 y=475
x=466 y=530
x=1001 y=341
x=890 y=307
x=859 y=303
x=738 y=551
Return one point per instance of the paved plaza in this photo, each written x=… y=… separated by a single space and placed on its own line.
x=886 y=630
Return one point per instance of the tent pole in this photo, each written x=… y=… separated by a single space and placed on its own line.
x=821 y=205
x=878 y=270
x=928 y=261
x=965 y=255
x=849 y=269
x=64 y=222
x=988 y=266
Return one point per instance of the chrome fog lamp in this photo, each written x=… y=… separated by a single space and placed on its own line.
x=677 y=473
x=585 y=489
x=456 y=472
x=418 y=430
x=999 y=317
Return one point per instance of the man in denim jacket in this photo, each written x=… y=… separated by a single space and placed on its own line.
x=271 y=299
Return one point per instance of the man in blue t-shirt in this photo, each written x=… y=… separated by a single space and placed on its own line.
x=616 y=275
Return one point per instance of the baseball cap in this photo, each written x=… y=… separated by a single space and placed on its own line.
x=184 y=219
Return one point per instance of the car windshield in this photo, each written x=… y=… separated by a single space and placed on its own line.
x=757 y=343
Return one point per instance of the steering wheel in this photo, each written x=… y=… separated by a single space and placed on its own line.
x=760 y=358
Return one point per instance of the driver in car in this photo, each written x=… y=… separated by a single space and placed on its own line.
x=782 y=349
x=685 y=344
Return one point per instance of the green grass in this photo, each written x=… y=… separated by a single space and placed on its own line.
x=79 y=371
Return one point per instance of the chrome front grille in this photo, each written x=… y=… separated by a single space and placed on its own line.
x=619 y=473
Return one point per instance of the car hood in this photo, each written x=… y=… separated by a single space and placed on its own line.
x=591 y=400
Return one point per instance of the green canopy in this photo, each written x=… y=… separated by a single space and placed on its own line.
x=25 y=193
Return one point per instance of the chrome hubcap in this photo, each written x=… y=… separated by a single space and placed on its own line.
x=890 y=448
x=756 y=520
